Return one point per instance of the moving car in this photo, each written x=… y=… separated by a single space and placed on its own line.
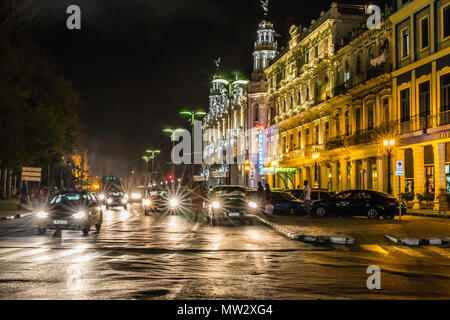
x=71 y=210
x=116 y=199
x=136 y=196
x=229 y=203
x=370 y=203
x=160 y=201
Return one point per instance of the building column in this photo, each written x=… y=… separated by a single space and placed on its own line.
x=298 y=179
x=382 y=173
x=353 y=174
x=399 y=156
x=440 y=188
x=334 y=177
x=323 y=176
x=344 y=174
x=270 y=180
x=367 y=176
x=419 y=174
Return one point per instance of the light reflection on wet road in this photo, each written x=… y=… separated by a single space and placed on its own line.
x=168 y=257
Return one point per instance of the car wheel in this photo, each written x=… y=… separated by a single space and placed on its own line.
x=389 y=216
x=98 y=226
x=372 y=213
x=86 y=229
x=321 y=212
x=42 y=230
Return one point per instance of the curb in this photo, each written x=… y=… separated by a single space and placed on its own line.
x=419 y=242
x=18 y=216
x=433 y=215
x=306 y=238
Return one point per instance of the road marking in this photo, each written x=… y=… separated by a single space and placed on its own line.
x=374 y=248
x=61 y=254
x=86 y=258
x=6 y=250
x=410 y=252
x=25 y=254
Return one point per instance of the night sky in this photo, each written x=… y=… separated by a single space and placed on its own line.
x=136 y=63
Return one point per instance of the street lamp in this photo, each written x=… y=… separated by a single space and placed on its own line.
x=388 y=145
x=150 y=155
x=192 y=115
x=172 y=137
x=315 y=157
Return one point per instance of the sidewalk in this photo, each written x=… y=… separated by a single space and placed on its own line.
x=364 y=230
x=9 y=210
x=427 y=213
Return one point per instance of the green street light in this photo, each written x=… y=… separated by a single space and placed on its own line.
x=192 y=115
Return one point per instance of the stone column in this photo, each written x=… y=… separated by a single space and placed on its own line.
x=382 y=173
x=440 y=188
x=334 y=177
x=323 y=182
x=270 y=180
x=353 y=174
x=419 y=174
x=367 y=177
x=297 y=179
x=344 y=182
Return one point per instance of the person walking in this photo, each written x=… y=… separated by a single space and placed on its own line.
x=260 y=194
x=307 y=198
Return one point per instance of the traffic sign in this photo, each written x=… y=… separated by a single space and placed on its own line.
x=31 y=174
x=399 y=171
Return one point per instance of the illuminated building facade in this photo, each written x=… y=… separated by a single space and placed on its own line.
x=421 y=96
x=329 y=97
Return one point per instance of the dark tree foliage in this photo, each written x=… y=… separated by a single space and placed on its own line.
x=38 y=107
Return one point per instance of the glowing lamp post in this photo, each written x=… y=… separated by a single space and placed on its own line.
x=315 y=157
x=388 y=145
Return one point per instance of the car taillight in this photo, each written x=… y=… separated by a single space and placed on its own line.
x=391 y=202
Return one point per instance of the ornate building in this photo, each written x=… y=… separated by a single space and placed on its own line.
x=329 y=94
x=421 y=97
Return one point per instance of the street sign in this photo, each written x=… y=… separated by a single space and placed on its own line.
x=199 y=178
x=31 y=174
x=218 y=174
x=399 y=170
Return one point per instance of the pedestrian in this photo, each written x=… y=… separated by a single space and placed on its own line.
x=268 y=207
x=260 y=193
x=307 y=198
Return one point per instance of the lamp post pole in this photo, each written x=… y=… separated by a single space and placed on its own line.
x=172 y=137
x=388 y=145
x=192 y=115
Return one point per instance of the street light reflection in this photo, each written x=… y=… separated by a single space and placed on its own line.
x=124 y=215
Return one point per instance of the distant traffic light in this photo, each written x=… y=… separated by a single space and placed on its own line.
x=170 y=176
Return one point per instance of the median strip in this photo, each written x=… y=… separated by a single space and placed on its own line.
x=419 y=242
x=306 y=238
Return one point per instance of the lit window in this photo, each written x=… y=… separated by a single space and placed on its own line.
x=405 y=43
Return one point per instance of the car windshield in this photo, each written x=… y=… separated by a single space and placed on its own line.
x=287 y=196
x=229 y=191
x=71 y=197
x=116 y=194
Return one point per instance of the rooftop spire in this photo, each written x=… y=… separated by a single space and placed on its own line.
x=265 y=7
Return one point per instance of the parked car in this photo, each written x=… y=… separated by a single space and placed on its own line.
x=370 y=203
x=316 y=194
x=229 y=203
x=71 y=210
x=285 y=203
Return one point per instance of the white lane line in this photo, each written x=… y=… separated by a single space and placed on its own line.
x=374 y=248
x=24 y=254
x=63 y=253
x=6 y=250
x=86 y=258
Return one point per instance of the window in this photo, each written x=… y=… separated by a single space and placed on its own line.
x=358 y=64
x=370 y=118
x=256 y=113
x=299 y=140
x=424 y=34
x=307 y=137
x=316 y=134
x=358 y=119
x=338 y=126
x=327 y=129
x=424 y=99
x=344 y=195
x=347 y=124
x=291 y=142
x=445 y=92
x=347 y=72
x=386 y=110
x=307 y=93
x=446 y=21
x=405 y=43
x=404 y=104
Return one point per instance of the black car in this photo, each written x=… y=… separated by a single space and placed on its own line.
x=116 y=199
x=71 y=210
x=370 y=203
x=316 y=194
x=229 y=203
x=283 y=202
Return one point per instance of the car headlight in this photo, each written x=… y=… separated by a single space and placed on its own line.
x=42 y=214
x=216 y=205
x=79 y=215
x=109 y=201
x=136 y=196
x=101 y=196
x=252 y=204
x=124 y=200
x=173 y=202
x=126 y=196
x=146 y=202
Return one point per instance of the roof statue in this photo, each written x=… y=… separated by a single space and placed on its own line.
x=265 y=6
x=217 y=62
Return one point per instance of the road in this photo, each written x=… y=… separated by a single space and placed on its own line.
x=167 y=257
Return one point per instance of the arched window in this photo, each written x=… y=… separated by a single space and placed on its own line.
x=256 y=112
x=358 y=64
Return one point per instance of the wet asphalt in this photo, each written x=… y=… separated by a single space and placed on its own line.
x=170 y=257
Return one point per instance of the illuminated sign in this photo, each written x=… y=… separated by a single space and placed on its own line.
x=278 y=169
x=261 y=149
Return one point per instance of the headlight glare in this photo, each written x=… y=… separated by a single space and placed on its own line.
x=173 y=202
x=146 y=202
x=79 y=215
x=252 y=204
x=101 y=196
x=136 y=196
x=124 y=200
x=109 y=201
x=42 y=214
x=216 y=205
